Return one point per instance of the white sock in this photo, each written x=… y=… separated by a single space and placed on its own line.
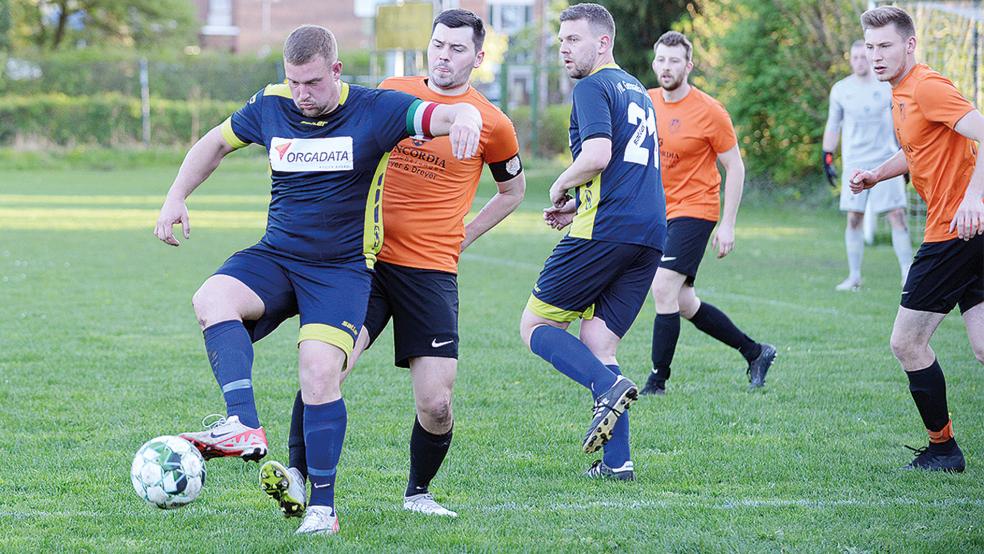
x=854 y=240
x=903 y=250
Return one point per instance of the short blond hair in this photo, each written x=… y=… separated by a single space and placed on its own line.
x=308 y=42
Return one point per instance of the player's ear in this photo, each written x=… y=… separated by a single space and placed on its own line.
x=478 y=59
x=336 y=70
x=605 y=44
x=910 y=45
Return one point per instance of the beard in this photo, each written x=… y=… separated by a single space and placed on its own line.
x=446 y=81
x=673 y=84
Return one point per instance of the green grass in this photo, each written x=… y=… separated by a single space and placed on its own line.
x=100 y=351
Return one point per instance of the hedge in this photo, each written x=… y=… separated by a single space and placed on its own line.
x=108 y=119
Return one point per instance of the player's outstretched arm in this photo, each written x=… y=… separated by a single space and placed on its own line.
x=198 y=164
x=969 y=219
x=504 y=202
x=462 y=123
x=593 y=159
x=734 y=184
x=862 y=179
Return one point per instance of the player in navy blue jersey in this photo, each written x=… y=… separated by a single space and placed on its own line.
x=601 y=270
x=328 y=145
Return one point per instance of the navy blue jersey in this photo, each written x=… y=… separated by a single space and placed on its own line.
x=625 y=203
x=327 y=172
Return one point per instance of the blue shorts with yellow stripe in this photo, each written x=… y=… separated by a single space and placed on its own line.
x=331 y=298
x=592 y=278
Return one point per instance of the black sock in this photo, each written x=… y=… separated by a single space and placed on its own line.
x=715 y=323
x=928 y=388
x=427 y=452
x=297 y=455
x=666 y=332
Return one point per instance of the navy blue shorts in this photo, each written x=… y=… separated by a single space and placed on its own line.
x=944 y=275
x=591 y=278
x=686 y=240
x=331 y=298
x=423 y=304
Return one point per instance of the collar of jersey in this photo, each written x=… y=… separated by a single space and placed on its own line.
x=606 y=66
x=343 y=96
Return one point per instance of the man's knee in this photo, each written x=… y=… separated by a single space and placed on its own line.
x=207 y=306
x=320 y=368
x=435 y=411
x=896 y=218
x=665 y=290
x=855 y=219
x=689 y=304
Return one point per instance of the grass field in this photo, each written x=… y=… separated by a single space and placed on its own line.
x=100 y=351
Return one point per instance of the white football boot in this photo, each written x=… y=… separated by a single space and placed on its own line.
x=227 y=436
x=319 y=520
x=425 y=504
x=284 y=485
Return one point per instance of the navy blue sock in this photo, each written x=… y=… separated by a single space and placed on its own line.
x=296 y=453
x=324 y=432
x=231 y=354
x=571 y=357
x=666 y=333
x=617 y=448
x=715 y=323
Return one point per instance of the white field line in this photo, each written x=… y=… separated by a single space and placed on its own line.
x=685 y=503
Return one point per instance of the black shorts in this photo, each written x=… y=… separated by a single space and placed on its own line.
x=686 y=240
x=946 y=274
x=423 y=304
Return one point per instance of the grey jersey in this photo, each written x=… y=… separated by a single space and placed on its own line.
x=863 y=112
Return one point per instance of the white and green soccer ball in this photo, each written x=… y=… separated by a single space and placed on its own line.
x=168 y=472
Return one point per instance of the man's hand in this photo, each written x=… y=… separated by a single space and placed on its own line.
x=173 y=211
x=558 y=196
x=466 y=131
x=829 y=169
x=862 y=179
x=724 y=240
x=969 y=219
x=558 y=218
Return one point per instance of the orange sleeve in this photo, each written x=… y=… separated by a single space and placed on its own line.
x=502 y=142
x=940 y=101
x=723 y=137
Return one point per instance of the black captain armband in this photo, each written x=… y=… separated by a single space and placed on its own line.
x=506 y=169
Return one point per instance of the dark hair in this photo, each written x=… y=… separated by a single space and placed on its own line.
x=308 y=41
x=876 y=18
x=596 y=15
x=454 y=19
x=673 y=38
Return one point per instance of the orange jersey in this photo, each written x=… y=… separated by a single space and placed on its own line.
x=692 y=132
x=428 y=192
x=925 y=108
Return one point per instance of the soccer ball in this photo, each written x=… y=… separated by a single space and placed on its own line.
x=168 y=472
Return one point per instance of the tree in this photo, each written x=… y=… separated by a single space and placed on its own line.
x=57 y=24
x=772 y=63
x=638 y=25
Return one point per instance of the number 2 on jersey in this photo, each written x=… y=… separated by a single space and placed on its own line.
x=635 y=152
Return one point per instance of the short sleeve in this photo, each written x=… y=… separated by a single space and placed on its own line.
x=502 y=143
x=722 y=136
x=940 y=101
x=835 y=112
x=245 y=125
x=392 y=115
x=594 y=112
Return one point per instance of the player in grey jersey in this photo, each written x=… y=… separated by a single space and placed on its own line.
x=861 y=111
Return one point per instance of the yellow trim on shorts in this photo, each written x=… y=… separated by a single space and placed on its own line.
x=229 y=135
x=328 y=335
x=553 y=313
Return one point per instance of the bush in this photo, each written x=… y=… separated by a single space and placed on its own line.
x=554 y=125
x=108 y=119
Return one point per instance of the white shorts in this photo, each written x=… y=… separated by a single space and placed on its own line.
x=885 y=196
